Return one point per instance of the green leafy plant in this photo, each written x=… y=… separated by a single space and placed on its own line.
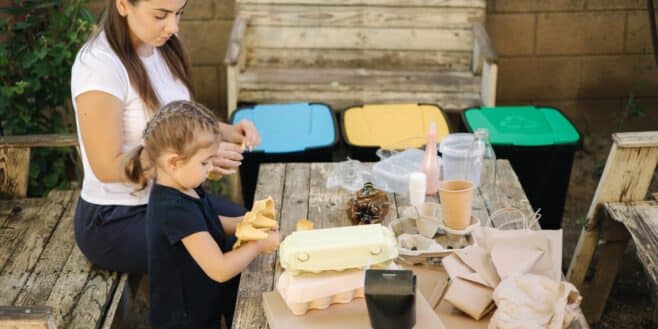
x=38 y=43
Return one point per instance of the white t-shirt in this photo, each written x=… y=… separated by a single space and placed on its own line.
x=98 y=68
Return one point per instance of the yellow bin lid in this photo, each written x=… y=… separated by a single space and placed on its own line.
x=392 y=126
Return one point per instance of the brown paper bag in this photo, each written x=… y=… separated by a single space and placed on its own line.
x=470 y=297
x=479 y=260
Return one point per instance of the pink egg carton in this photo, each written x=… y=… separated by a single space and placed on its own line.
x=309 y=291
x=317 y=291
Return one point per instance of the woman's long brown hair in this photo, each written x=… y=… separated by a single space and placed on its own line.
x=118 y=35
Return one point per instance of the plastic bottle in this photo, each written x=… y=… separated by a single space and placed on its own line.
x=430 y=163
x=488 y=173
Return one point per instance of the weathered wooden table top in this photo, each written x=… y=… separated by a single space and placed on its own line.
x=40 y=264
x=299 y=191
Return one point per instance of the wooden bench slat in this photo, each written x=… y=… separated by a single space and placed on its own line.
x=359 y=38
x=39 y=317
x=451 y=102
x=424 y=3
x=66 y=291
x=50 y=140
x=641 y=221
x=49 y=267
x=20 y=265
x=361 y=16
x=95 y=299
x=359 y=58
x=16 y=224
x=259 y=275
x=358 y=80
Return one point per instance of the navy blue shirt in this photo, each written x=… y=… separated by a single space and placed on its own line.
x=182 y=295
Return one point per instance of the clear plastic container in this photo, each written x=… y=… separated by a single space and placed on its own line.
x=392 y=174
x=461 y=158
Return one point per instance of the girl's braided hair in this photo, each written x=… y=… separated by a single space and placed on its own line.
x=177 y=127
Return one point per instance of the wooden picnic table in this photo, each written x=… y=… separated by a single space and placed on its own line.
x=299 y=191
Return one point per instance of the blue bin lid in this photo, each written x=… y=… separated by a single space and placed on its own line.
x=523 y=125
x=287 y=128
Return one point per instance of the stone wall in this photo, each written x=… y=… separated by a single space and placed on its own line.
x=582 y=56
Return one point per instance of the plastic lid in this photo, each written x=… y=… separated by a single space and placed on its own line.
x=459 y=145
x=286 y=128
x=392 y=126
x=523 y=125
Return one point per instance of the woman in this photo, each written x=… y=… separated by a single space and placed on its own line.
x=129 y=69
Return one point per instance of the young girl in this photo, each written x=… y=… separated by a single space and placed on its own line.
x=192 y=270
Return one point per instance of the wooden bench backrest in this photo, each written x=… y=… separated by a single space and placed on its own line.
x=361 y=33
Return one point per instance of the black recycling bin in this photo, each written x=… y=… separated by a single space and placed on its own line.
x=540 y=144
x=299 y=132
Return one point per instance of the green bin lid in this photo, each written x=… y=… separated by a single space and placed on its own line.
x=523 y=125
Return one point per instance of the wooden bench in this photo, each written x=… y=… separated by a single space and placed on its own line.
x=350 y=52
x=44 y=277
x=641 y=221
x=613 y=214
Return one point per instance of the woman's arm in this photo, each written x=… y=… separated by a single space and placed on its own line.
x=101 y=123
x=219 y=266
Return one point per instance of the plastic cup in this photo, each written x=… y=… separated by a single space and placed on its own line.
x=456 y=202
x=428 y=221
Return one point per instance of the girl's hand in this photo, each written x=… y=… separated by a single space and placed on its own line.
x=250 y=136
x=228 y=158
x=270 y=244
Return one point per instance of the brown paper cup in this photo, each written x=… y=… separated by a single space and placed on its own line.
x=456 y=200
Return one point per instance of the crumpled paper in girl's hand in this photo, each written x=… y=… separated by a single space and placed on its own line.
x=529 y=301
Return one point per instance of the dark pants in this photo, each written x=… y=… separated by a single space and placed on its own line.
x=114 y=238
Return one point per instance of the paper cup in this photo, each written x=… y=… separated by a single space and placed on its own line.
x=456 y=201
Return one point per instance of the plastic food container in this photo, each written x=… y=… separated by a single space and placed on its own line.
x=458 y=158
x=392 y=174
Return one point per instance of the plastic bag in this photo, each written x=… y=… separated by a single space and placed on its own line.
x=350 y=175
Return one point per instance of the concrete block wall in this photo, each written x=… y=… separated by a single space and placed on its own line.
x=582 y=56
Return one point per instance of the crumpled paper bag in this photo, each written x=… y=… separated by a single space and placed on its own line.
x=529 y=301
x=256 y=223
x=523 y=251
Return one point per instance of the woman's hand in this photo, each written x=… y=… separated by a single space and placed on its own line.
x=250 y=136
x=243 y=132
x=228 y=158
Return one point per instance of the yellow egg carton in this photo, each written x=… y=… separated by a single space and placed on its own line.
x=337 y=249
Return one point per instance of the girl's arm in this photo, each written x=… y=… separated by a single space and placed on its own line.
x=219 y=266
x=229 y=224
x=101 y=123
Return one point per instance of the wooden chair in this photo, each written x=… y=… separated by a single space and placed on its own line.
x=617 y=210
x=349 y=52
x=45 y=281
